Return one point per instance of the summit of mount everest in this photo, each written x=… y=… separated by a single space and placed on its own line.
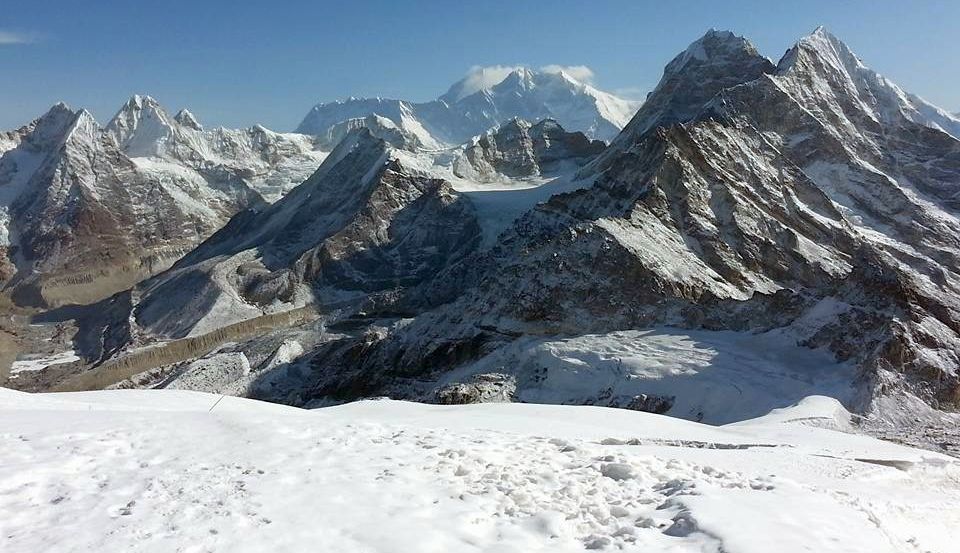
x=477 y=103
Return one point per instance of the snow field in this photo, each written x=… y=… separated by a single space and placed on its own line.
x=182 y=471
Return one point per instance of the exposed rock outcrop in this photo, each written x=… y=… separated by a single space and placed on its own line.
x=517 y=150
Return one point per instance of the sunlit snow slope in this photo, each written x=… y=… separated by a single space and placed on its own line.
x=182 y=471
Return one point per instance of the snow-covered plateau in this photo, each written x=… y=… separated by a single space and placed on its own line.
x=165 y=471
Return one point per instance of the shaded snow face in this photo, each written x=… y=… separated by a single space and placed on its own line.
x=714 y=377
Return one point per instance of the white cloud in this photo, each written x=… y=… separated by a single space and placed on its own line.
x=480 y=77
x=9 y=37
x=581 y=73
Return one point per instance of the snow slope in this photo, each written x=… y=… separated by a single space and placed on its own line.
x=182 y=471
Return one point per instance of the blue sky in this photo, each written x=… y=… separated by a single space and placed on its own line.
x=237 y=63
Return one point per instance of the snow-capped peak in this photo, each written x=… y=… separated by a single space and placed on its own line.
x=825 y=46
x=714 y=47
x=84 y=125
x=55 y=122
x=477 y=79
x=714 y=62
x=141 y=126
x=838 y=72
x=507 y=78
x=61 y=124
x=521 y=79
x=187 y=119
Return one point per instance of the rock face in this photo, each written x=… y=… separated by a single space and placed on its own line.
x=484 y=388
x=518 y=150
x=467 y=110
x=811 y=198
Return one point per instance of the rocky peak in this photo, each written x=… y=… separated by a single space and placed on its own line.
x=141 y=126
x=713 y=48
x=55 y=125
x=378 y=126
x=517 y=149
x=188 y=120
x=718 y=60
x=823 y=73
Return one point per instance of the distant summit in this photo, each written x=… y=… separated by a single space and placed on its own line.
x=484 y=99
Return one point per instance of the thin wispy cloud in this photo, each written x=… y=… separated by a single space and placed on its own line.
x=480 y=77
x=8 y=38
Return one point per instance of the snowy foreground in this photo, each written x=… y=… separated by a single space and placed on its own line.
x=182 y=471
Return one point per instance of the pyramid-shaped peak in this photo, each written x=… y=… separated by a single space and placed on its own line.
x=85 y=116
x=58 y=112
x=820 y=48
x=716 y=61
x=821 y=35
x=84 y=124
x=821 y=31
x=186 y=118
x=520 y=77
x=716 y=44
x=55 y=123
x=138 y=107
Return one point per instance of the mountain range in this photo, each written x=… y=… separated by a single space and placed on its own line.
x=71 y=192
x=86 y=211
x=469 y=108
x=755 y=233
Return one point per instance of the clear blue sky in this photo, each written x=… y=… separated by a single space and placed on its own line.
x=236 y=63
